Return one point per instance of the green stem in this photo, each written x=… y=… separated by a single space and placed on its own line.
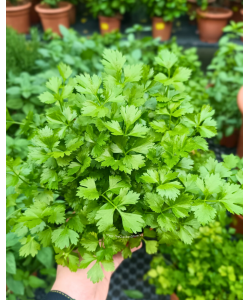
x=108 y=200
x=13 y=213
x=14 y=122
x=20 y=177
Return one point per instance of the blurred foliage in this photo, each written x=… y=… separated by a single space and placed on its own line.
x=109 y=8
x=225 y=74
x=210 y=268
x=20 y=53
x=169 y=10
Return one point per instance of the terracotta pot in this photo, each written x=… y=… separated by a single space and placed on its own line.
x=236 y=8
x=237 y=223
x=109 y=24
x=18 y=17
x=230 y=141
x=240 y=141
x=72 y=15
x=174 y=297
x=211 y=22
x=34 y=17
x=161 y=28
x=53 y=17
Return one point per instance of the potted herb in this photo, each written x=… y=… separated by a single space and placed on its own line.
x=18 y=15
x=109 y=12
x=194 y=4
x=225 y=74
x=163 y=13
x=211 y=21
x=112 y=161
x=54 y=13
x=209 y=269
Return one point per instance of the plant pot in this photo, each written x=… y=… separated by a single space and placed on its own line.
x=34 y=17
x=211 y=22
x=72 y=15
x=230 y=141
x=53 y=17
x=109 y=24
x=174 y=297
x=18 y=17
x=240 y=140
x=236 y=8
x=192 y=7
x=161 y=28
x=237 y=223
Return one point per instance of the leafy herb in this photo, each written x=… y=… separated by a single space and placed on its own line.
x=113 y=159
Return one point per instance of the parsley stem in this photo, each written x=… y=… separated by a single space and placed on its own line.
x=13 y=213
x=20 y=177
x=108 y=200
x=14 y=122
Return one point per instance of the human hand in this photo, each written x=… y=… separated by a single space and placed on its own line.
x=77 y=286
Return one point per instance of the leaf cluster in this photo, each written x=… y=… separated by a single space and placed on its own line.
x=109 y=8
x=169 y=10
x=225 y=74
x=113 y=160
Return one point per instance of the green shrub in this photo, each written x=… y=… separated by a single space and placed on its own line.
x=109 y=8
x=169 y=10
x=21 y=54
x=226 y=78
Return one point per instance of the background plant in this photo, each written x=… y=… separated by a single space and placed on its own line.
x=166 y=9
x=51 y=3
x=109 y=8
x=210 y=268
x=226 y=78
x=21 y=54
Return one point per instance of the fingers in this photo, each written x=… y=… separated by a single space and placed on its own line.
x=136 y=248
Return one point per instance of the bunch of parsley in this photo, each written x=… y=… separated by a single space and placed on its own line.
x=112 y=161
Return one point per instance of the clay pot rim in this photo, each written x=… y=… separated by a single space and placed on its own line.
x=239 y=216
x=64 y=7
x=18 y=7
x=241 y=11
x=195 y=1
x=224 y=13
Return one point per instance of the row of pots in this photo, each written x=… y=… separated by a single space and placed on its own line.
x=22 y=16
x=210 y=22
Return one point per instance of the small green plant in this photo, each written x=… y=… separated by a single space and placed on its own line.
x=112 y=161
x=16 y=2
x=21 y=54
x=169 y=10
x=51 y=3
x=109 y=8
x=234 y=28
x=225 y=74
x=211 y=268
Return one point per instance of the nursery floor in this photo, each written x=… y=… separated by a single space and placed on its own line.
x=129 y=275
